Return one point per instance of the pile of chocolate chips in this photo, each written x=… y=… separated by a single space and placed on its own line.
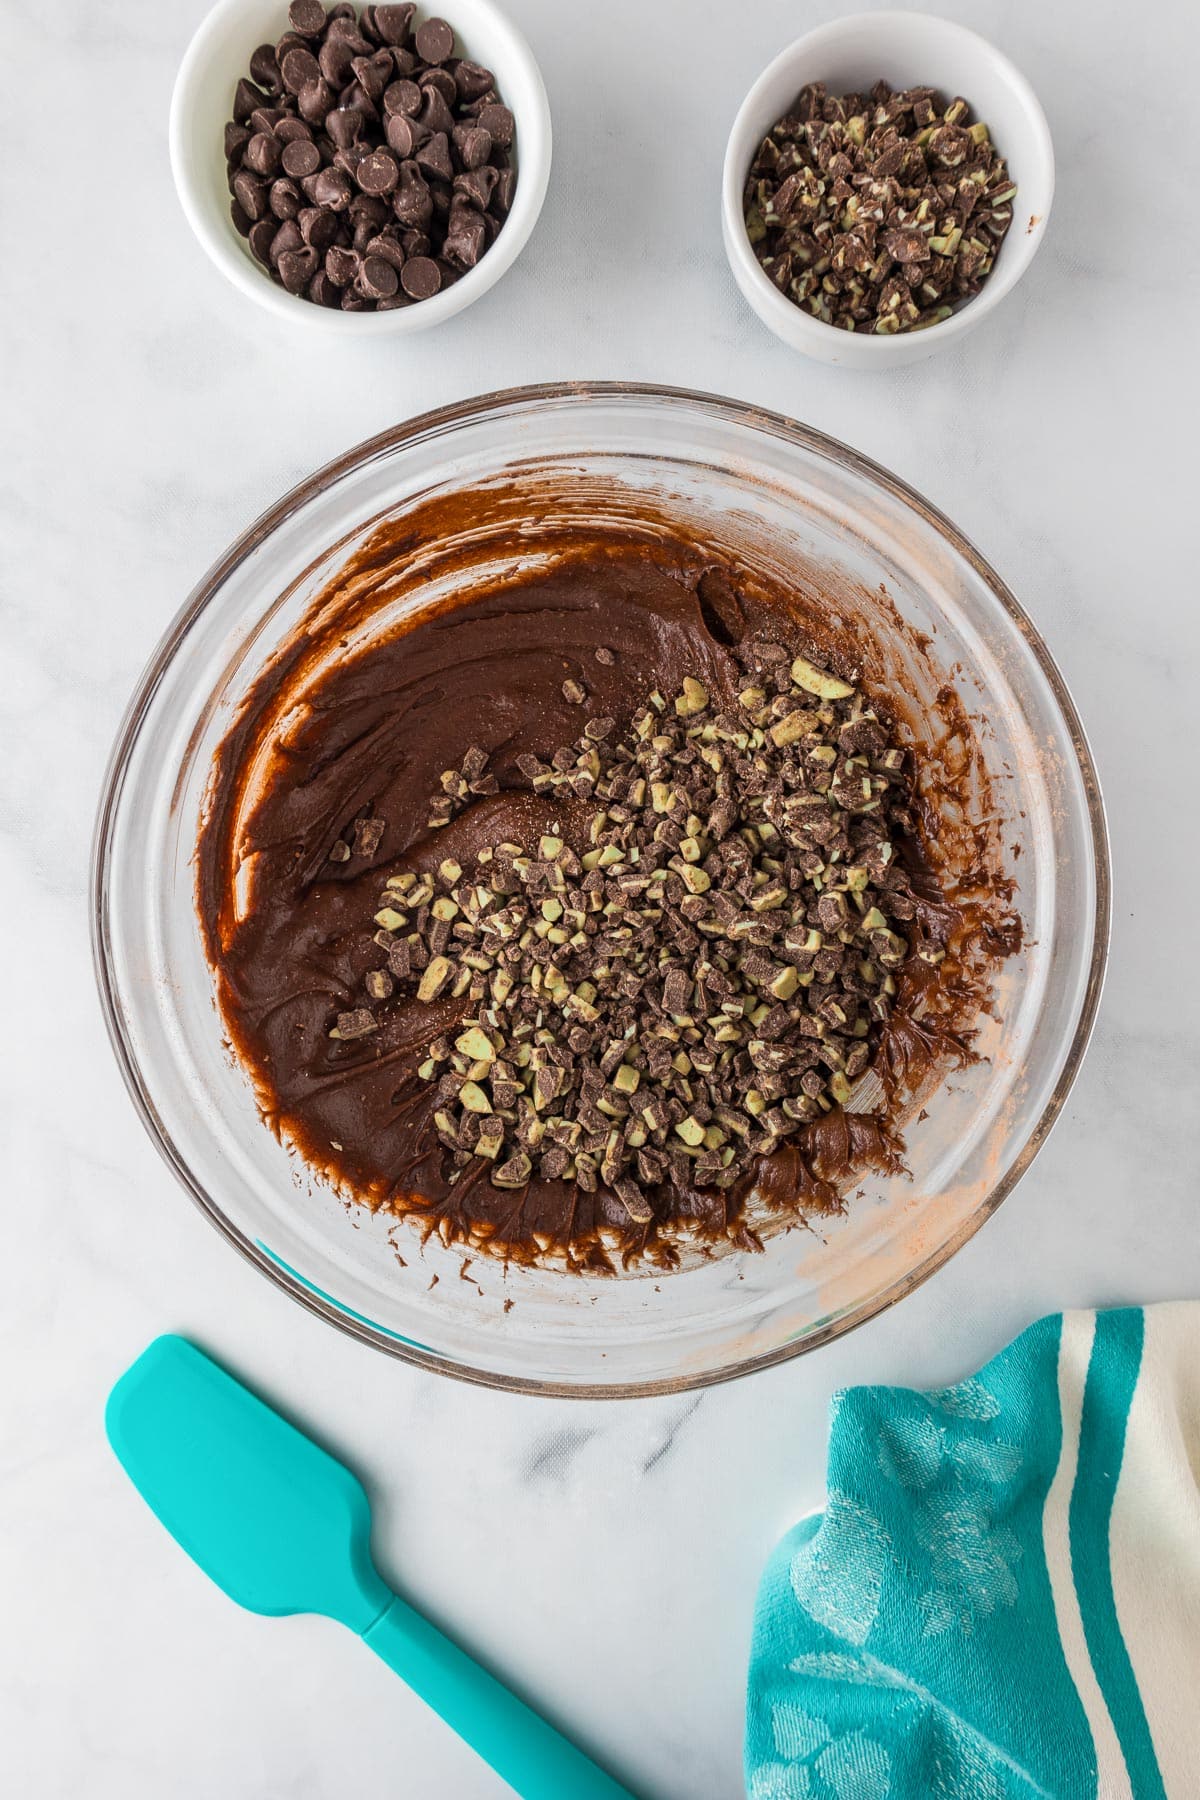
x=878 y=212
x=369 y=166
x=713 y=972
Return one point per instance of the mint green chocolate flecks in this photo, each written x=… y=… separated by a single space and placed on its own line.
x=991 y=1605
x=282 y=1527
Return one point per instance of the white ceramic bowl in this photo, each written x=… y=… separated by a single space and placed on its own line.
x=907 y=49
x=203 y=100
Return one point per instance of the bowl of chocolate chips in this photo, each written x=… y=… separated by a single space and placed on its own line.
x=374 y=161
x=601 y=889
x=887 y=182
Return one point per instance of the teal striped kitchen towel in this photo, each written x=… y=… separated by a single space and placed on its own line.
x=1001 y=1597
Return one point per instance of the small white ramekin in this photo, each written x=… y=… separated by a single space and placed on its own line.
x=907 y=49
x=203 y=100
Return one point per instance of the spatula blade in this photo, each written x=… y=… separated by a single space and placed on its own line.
x=279 y=1524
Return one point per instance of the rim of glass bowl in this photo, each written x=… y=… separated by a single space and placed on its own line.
x=436 y=423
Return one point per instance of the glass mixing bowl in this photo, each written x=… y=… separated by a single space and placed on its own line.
x=760 y=485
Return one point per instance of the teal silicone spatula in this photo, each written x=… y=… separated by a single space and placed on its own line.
x=282 y=1527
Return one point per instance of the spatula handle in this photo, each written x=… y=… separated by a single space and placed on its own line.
x=523 y=1749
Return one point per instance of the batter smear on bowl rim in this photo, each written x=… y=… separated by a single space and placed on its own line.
x=589 y=913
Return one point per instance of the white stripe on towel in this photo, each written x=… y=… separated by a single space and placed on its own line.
x=1155 y=1540
x=1074 y=1355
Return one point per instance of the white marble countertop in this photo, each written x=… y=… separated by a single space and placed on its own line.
x=604 y=1555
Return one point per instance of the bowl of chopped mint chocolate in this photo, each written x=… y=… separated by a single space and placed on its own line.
x=607 y=915
x=887 y=182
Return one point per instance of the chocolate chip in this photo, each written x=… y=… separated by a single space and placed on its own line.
x=264 y=119
x=435 y=115
x=336 y=59
x=262 y=235
x=315 y=100
x=373 y=73
x=378 y=279
x=371 y=209
x=506 y=182
x=393 y=23
x=307 y=17
x=387 y=245
x=472 y=80
x=420 y=277
x=476 y=186
x=329 y=188
x=301 y=158
x=236 y=139
x=264 y=69
x=250 y=194
x=473 y=144
x=285 y=198
x=402 y=97
x=355 y=95
x=341 y=265
x=322 y=292
x=284 y=238
x=293 y=131
x=435 y=40
x=318 y=227
x=246 y=99
x=401 y=136
x=297 y=269
x=433 y=158
x=465 y=238
x=499 y=122
x=438 y=81
x=299 y=69
x=344 y=24
x=344 y=126
x=378 y=173
x=412 y=202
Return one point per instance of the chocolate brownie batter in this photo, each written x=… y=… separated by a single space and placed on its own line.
x=327 y=739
